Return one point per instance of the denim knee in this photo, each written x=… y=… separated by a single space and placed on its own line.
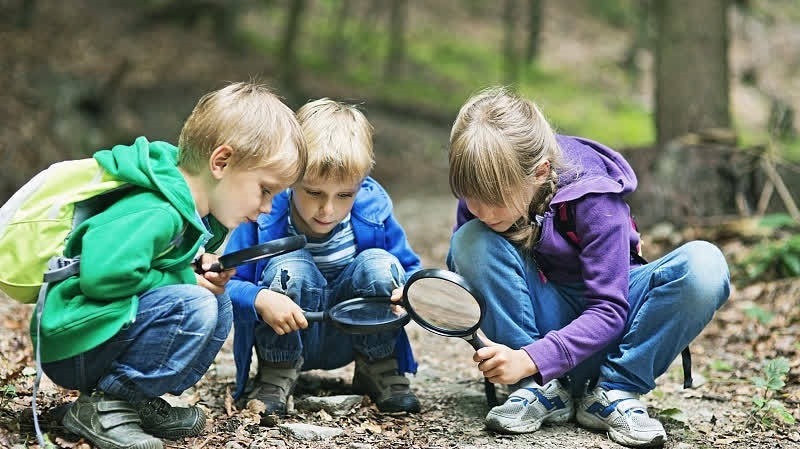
x=699 y=275
x=473 y=245
x=293 y=271
x=707 y=279
x=376 y=272
x=202 y=311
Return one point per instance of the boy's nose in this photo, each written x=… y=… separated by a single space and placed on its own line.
x=266 y=206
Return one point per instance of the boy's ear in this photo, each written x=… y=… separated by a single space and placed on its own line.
x=220 y=160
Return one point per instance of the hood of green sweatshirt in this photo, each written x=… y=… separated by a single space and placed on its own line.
x=153 y=166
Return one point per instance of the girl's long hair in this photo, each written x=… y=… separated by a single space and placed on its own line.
x=497 y=143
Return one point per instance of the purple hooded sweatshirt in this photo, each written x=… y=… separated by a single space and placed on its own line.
x=595 y=181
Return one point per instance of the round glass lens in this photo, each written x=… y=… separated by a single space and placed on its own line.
x=367 y=313
x=443 y=304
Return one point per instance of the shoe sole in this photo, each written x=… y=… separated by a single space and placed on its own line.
x=592 y=422
x=493 y=422
x=76 y=427
x=174 y=434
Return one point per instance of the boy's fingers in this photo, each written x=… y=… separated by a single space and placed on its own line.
x=301 y=321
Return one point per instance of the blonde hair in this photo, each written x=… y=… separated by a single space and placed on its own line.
x=339 y=140
x=497 y=143
x=253 y=121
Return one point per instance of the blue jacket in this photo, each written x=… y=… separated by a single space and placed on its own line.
x=374 y=226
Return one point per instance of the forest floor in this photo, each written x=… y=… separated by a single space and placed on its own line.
x=717 y=413
x=45 y=71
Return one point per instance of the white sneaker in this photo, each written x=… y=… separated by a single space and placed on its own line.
x=622 y=415
x=527 y=408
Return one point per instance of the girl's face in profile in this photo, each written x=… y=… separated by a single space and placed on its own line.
x=497 y=218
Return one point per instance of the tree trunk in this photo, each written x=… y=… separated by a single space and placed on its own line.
x=397 y=38
x=691 y=67
x=336 y=48
x=534 y=30
x=510 y=58
x=288 y=53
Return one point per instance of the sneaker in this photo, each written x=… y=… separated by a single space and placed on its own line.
x=530 y=406
x=108 y=422
x=161 y=419
x=382 y=382
x=623 y=416
x=274 y=383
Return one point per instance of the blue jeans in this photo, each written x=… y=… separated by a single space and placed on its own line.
x=671 y=300
x=322 y=345
x=177 y=333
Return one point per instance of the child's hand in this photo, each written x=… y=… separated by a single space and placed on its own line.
x=397 y=296
x=503 y=365
x=213 y=281
x=279 y=311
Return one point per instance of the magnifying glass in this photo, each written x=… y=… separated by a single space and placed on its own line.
x=248 y=255
x=366 y=315
x=442 y=302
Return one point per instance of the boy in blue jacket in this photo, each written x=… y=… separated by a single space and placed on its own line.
x=355 y=248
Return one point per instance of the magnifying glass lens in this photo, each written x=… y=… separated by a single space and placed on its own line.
x=444 y=305
x=365 y=314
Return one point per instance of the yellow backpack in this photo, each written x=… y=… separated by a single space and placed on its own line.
x=37 y=220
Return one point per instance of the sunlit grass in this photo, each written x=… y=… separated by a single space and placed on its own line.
x=442 y=70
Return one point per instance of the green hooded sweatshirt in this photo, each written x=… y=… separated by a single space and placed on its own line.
x=145 y=240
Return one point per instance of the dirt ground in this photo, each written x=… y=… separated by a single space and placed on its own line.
x=715 y=414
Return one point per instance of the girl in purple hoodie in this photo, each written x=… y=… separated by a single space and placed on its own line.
x=578 y=327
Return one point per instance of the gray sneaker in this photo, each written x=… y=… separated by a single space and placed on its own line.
x=273 y=385
x=622 y=415
x=532 y=405
x=161 y=419
x=108 y=422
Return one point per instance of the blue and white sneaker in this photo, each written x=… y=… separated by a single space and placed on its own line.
x=532 y=405
x=622 y=415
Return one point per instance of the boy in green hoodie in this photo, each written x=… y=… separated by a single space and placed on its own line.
x=137 y=321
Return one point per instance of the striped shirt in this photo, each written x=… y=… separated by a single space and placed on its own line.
x=333 y=252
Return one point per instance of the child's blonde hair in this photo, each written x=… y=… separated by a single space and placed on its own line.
x=498 y=142
x=339 y=140
x=253 y=121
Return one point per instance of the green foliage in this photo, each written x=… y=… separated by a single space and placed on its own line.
x=8 y=392
x=619 y=13
x=721 y=366
x=767 y=410
x=443 y=67
x=759 y=314
x=771 y=260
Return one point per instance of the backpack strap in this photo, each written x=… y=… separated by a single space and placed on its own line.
x=564 y=223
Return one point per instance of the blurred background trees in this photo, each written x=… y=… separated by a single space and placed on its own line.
x=635 y=74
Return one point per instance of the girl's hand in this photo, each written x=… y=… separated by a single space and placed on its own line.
x=503 y=365
x=215 y=282
x=279 y=311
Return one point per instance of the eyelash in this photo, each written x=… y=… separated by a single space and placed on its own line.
x=265 y=191
x=315 y=193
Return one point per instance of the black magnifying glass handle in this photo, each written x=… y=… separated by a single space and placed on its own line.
x=314 y=316
x=489 y=389
x=474 y=340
